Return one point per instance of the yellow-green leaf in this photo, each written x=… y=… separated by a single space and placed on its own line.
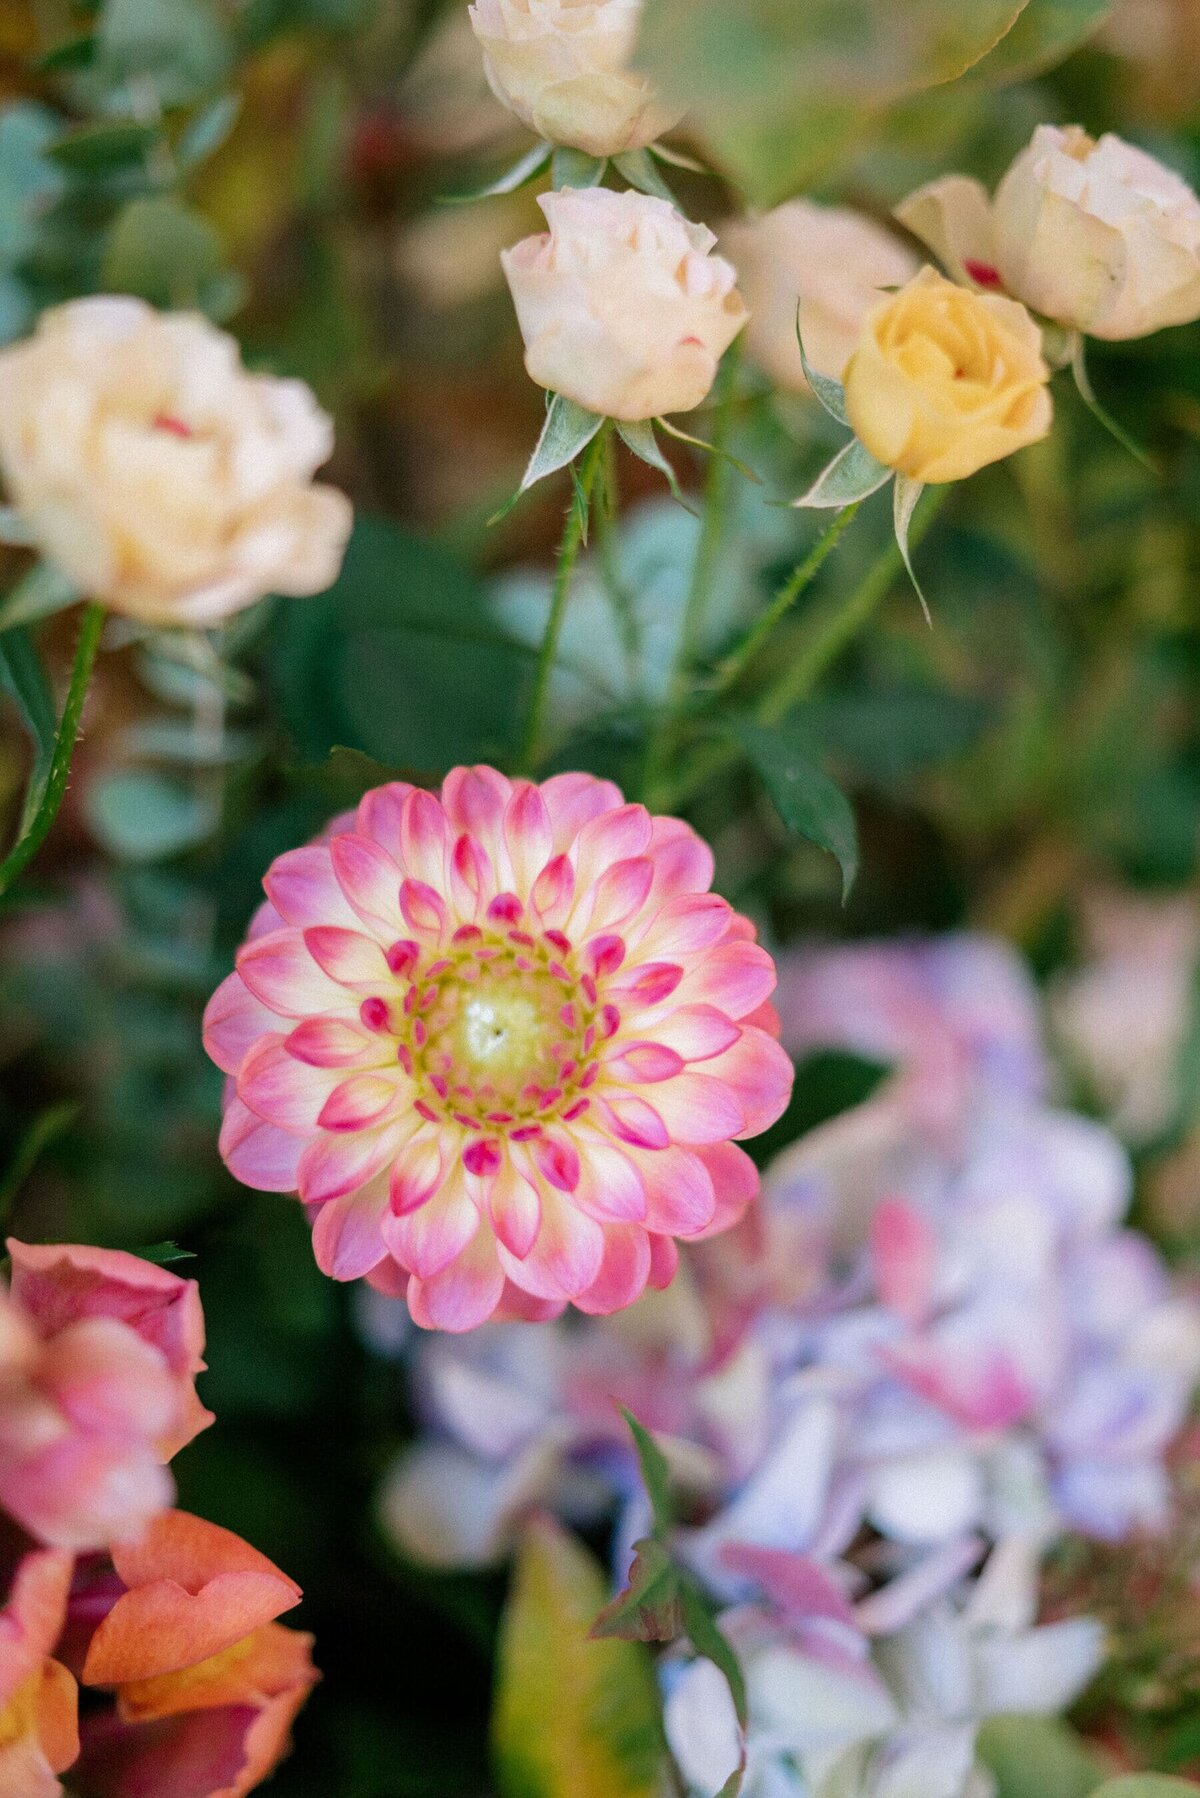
x=574 y=1717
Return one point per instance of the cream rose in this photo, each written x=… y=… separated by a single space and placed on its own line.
x=945 y=380
x=156 y=473
x=563 y=67
x=1097 y=236
x=622 y=307
x=829 y=261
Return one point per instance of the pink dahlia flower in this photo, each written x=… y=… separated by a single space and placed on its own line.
x=98 y=1357
x=501 y=1042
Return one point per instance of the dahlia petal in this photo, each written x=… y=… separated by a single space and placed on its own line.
x=684 y=928
x=283 y=1091
x=664 y=1262
x=424 y=839
x=515 y=1209
x=557 y=1160
x=378 y=816
x=302 y=887
x=423 y=910
x=347 y=1239
x=416 y=1173
x=233 y=1022
x=554 y=890
x=683 y=862
x=279 y=971
x=348 y=957
x=265 y=920
x=475 y=800
x=573 y=800
x=680 y=1197
x=471 y=876
x=645 y=1064
x=735 y=978
x=735 y=1184
x=370 y=882
x=429 y=1239
x=633 y=1121
x=616 y=836
x=697 y=1109
x=359 y=1102
x=334 y=1165
x=759 y=1075
x=616 y=896
x=611 y=1188
x=465 y=1294
x=623 y=1273
x=258 y=1154
x=567 y=1256
x=336 y=1043
x=527 y=835
x=648 y=983
x=695 y=1032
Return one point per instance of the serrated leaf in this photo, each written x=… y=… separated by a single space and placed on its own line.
x=641 y=440
x=1032 y=1757
x=705 y=1634
x=574 y=1717
x=566 y=433
x=805 y=798
x=831 y=393
x=650 y=1608
x=22 y=673
x=656 y=1474
x=904 y=504
x=853 y=474
x=38 y=594
x=574 y=168
x=637 y=167
x=518 y=176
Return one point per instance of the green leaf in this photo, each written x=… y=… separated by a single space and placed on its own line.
x=907 y=493
x=38 y=594
x=1145 y=1785
x=1087 y=394
x=518 y=176
x=21 y=672
x=779 y=90
x=574 y=1717
x=143 y=817
x=165 y=1254
x=574 y=168
x=703 y=1631
x=853 y=474
x=650 y=1608
x=566 y=433
x=1046 y=32
x=656 y=1474
x=97 y=149
x=205 y=134
x=806 y=799
x=67 y=58
x=179 y=46
x=29 y=182
x=45 y=1129
x=1034 y=1757
x=401 y=660
x=164 y=251
x=637 y=166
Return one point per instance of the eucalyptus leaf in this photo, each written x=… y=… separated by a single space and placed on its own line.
x=853 y=474
x=208 y=130
x=97 y=149
x=30 y=182
x=143 y=817
x=806 y=799
x=907 y=494
x=164 y=251
x=180 y=47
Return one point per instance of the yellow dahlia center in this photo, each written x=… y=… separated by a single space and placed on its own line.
x=503 y=1034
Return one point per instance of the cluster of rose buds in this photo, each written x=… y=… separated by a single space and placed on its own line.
x=164 y=1623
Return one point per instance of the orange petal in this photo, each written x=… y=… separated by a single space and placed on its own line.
x=268 y=1662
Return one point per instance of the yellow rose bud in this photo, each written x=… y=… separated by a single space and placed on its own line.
x=946 y=380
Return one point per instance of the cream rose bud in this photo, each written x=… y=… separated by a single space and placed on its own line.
x=829 y=261
x=622 y=307
x=1097 y=236
x=563 y=67
x=156 y=473
x=945 y=380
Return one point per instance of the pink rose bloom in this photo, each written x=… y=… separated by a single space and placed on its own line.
x=98 y=1357
x=502 y=1042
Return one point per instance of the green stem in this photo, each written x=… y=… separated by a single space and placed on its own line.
x=23 y=851
x=568 y=556
x=735 y=665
